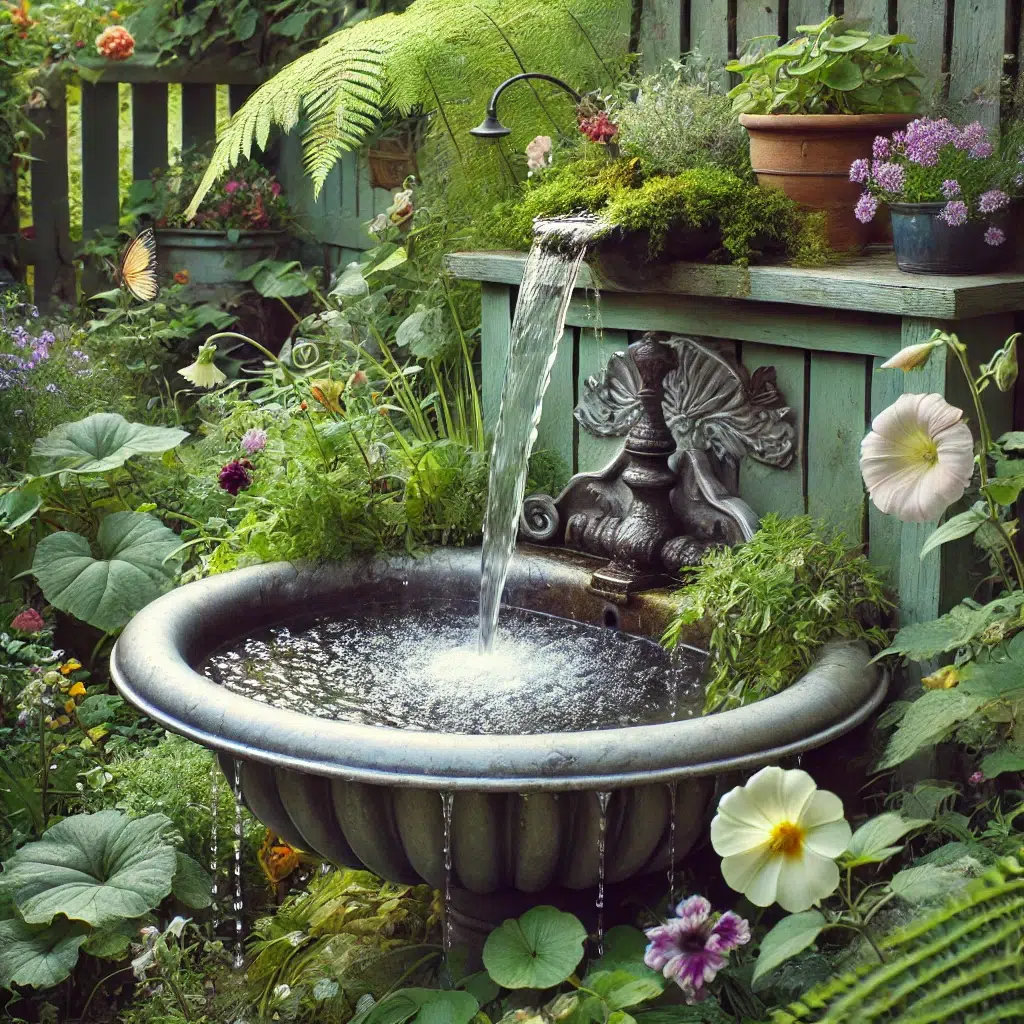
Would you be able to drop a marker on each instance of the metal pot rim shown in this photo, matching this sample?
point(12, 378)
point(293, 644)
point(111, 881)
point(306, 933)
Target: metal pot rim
point(150, 665)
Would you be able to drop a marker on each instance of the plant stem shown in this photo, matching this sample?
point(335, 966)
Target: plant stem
point(113, 974)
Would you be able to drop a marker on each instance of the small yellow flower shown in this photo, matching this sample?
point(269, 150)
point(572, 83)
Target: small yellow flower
point(78, 690)
point(944, 678)
point(203, 372)
point(73, 665)
point(69, 706)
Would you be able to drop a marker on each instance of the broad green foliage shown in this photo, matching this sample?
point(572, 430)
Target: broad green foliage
point(441, 58)
point(136, 566)
point(538, 950)
point(960, 963)
point(39, 956)
point(100, 443)
point(771, 603)
point(790, 936)
point(422, 1006)
point(828, 69)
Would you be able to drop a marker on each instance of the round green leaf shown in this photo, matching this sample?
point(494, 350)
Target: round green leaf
point(101, 442)
point(842, 76)
point(538, 950)
point(106, 592)
point(790, 936)
point(38, 957)
point(191, 884)
point(97, 868)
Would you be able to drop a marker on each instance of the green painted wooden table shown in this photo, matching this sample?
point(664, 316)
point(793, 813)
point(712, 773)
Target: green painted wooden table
point(826, 332)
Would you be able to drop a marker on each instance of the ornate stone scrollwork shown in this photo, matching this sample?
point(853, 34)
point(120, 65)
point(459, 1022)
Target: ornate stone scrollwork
point(688, 412)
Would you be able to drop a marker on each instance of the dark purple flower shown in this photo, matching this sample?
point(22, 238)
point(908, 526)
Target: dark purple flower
point(866, 208)
point(951, 188)
point(954, 213)
point(859, 171)
point(691, 947)
point(995, 236)
point(235, 476)
point(880, 148)
point(889, 177)
point(993, 200)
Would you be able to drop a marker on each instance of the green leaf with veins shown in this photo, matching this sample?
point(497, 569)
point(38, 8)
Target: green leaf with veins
point(538, 950)
point(40, 957)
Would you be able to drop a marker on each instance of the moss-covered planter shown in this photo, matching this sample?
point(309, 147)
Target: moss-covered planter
point(212, 258)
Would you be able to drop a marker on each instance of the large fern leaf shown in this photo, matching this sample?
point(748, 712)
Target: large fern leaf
point(961, 964)
point(441, 58)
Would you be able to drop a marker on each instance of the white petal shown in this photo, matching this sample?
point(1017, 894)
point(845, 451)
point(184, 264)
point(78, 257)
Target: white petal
point(729, 836)
point(803, 881)
point(780, 794)
point(937, 414)
point(822, 807)
point(829, 839)
point(754, 874)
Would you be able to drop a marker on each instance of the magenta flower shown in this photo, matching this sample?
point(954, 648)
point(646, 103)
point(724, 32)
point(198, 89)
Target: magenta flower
point(275, 188)
point(889, 177)
point(977, 779)
point(28, 621)
point(254, 440)
point(880, 148)
point(859, 171)
point(951, 188)
point(972, 135)
point(691, 947)
point(866, 208)
point(954, 213)
point(993, 200)
point(235, 476)
point(995, 236)
point(232, 187)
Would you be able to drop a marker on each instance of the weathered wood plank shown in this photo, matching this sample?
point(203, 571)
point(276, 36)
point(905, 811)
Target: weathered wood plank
point(709, 29)
point(860, 334)
point(885, 533)
point(53, 277)
point(767, 488)
point(871, 283)
point(835, 426)
point(495, 335)
point(925, 22)
point(976, 61)
point(660, 32)
point(807, 12)
point(149, 128)
point(143, 68)
point(755, 18)
point(198, 115)
point(101, 201)
point(595, 349)
point(555, 431)
point(873, 13)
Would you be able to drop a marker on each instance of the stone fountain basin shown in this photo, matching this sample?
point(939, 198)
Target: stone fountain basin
point(526, 813)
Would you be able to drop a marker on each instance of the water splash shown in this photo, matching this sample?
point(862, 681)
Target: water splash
point(447, 802)
point(672, 787)
point(602, 834)
point(238, 904)
point(214, 860)
point(548, 280)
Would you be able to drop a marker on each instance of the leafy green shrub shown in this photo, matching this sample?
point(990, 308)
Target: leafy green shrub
point(772, 602)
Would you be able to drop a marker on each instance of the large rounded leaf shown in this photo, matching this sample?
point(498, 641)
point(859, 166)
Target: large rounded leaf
point(106, 592)
point(100, 443)
point(538, 950)
point(97, 868)
point(39, 957)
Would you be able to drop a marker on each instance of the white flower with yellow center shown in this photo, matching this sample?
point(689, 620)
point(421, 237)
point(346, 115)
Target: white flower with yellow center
point(918, 458)
point(778, 837)
point(204, 373)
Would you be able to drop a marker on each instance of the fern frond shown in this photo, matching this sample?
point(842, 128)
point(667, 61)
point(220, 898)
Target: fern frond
point(960, 964)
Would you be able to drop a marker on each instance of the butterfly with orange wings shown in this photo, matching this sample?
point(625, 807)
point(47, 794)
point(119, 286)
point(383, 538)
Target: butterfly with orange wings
point(137, 270)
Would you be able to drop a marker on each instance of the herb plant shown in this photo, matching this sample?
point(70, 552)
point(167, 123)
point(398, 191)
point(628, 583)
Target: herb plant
point(828, 69)
point(772, 602)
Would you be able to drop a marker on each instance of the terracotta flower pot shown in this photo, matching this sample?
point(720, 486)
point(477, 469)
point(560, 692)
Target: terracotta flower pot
point(808, 156)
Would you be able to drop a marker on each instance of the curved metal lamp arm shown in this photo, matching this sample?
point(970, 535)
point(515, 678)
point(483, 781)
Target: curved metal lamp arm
point(491, 127)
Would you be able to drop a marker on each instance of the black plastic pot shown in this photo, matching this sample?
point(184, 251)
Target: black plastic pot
point(926, 244)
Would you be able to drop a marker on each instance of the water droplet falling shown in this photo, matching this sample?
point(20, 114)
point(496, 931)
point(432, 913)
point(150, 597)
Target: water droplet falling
point(602, 830)
point(672, 786)
point(214, 860)
point(447, 801)
point(238, 905)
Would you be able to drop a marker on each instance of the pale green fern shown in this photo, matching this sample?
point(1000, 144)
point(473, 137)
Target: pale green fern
point(960, 964)
point(441, 58)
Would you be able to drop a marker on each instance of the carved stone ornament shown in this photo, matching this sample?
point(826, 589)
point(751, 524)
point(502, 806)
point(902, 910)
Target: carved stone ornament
point(689, 414)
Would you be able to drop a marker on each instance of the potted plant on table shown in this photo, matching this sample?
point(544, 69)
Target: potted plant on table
point(813, 106)
point(950, 191)
point(241, 221)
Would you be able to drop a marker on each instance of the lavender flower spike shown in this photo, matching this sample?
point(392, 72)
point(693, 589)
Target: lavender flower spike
point(866, 208)
point(860, 171)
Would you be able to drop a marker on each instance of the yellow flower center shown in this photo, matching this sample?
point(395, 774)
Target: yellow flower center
point(921, 447)
point(787, 838)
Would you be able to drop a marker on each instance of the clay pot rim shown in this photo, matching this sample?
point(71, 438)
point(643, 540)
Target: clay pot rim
point(828, 122)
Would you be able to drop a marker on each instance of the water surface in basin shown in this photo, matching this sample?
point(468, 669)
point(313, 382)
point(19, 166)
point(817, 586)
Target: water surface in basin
point(418, 667)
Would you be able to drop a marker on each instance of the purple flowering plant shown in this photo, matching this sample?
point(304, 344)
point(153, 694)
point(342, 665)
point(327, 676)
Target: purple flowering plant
point(937, 161)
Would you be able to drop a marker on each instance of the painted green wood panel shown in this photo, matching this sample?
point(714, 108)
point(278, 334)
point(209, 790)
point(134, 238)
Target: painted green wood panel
point(755, 18)
point(101, 204)
point(709, 29)
point(836, 404)
point(149, 128)
point(925, 22)
point(198, 115)
point(595, 349)
point(660, 31)
point(766, 488)
point(807, 12)
point(555, 431)
point(884, 532)
point(238, 94)
point(495, 332)
point(873, 13)
point(976, 61)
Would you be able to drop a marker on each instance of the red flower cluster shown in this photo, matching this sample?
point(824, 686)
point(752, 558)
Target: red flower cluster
point(28, 621)
point(598, 128)
point(115, 43)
